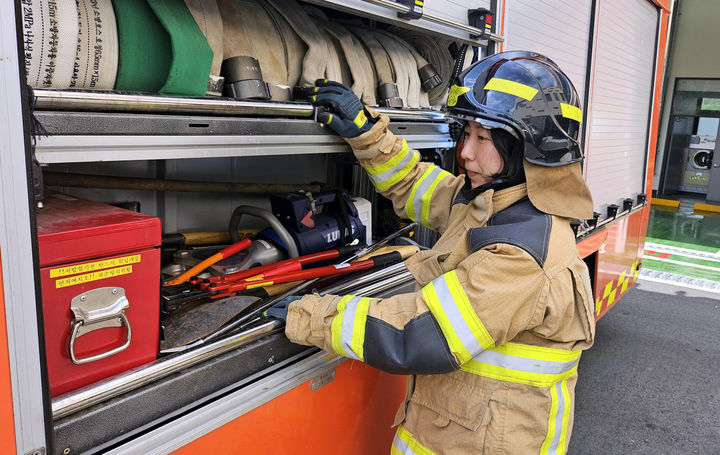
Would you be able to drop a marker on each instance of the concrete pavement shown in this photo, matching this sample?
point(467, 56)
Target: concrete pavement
point(651, 382)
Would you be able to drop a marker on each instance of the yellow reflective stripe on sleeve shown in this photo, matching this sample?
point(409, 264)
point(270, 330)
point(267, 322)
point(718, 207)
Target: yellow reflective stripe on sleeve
point(387, 174)
point(336, 326)
point(390, 164)
point(425, 217)
point(360, 119)
point(348, 327)
point(357, 336)
point(558, 420)
point(511, 87)
point(571, 112)
point(405, 443)
point(464, 332)
point(525, 364)
point(419, 201)
point(454, 92)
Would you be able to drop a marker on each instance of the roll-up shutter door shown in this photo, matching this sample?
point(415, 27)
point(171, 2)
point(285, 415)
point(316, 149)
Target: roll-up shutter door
point(621, 99)
point(559, 29)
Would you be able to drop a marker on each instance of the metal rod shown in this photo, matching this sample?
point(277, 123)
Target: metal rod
point(77, 100)
point(367, 278)
point(438, 20)
point(146, 184)
point(380, 286)
point(89, 396)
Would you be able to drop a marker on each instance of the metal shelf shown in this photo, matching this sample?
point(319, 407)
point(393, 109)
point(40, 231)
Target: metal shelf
point(151, 133)
point(386, 11)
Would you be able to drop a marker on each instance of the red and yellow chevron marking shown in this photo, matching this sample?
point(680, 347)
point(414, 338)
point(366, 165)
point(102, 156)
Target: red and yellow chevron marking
point(614, 289)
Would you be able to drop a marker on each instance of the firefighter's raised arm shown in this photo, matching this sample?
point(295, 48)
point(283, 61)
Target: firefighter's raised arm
point(420, 191)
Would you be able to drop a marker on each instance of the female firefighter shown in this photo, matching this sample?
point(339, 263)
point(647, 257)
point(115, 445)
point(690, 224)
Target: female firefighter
point(493, 337)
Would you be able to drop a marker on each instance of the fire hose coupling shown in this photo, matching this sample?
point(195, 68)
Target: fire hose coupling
point(429, 77)
point(243, 79)
point(389, 95)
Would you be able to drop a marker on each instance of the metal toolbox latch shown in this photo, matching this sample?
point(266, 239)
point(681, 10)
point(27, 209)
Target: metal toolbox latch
point(98, 309)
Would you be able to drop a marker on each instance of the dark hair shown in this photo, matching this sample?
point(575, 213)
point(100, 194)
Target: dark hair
point(512, 154)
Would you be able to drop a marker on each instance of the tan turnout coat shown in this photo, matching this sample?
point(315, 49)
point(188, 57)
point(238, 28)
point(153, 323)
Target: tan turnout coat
point(492, 338)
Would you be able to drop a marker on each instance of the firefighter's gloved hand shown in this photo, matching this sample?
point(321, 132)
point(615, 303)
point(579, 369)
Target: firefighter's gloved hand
point(280, 309)
point(340, 109)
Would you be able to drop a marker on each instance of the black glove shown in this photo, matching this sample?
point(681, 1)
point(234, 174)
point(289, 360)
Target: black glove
point(340, 109)
point(280, 309)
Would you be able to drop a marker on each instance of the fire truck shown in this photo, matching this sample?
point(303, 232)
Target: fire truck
point(79, 100)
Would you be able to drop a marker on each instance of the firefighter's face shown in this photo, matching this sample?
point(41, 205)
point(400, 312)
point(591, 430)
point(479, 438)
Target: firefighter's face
point(481, 159)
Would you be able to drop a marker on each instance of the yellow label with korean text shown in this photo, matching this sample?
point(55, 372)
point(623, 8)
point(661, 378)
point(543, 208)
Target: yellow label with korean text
point(94, 266)
point(94, 276)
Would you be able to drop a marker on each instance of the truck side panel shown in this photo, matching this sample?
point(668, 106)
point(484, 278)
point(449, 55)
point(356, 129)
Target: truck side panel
point(300, 417)
point(7, 422)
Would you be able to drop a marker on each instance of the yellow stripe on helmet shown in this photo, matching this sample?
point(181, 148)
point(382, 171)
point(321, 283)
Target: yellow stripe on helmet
point(454, 93)
point(571, 112)
point(511, 88)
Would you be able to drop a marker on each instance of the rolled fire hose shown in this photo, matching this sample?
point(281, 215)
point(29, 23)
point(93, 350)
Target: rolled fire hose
point(295, 48)
point(50, 36)
point(145, 49)
point(406, 78)
point(207, 16)
point(191, 54)
point(362, 79)
point(96, 62)
point(429, 78)
point(387, 90)
point(337, 68)
point(315, 60)
point(436, 52)
point(363, 55)
point(249, 31)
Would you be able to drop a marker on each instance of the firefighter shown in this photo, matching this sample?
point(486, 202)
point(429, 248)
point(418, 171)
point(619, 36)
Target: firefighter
point(492, 338)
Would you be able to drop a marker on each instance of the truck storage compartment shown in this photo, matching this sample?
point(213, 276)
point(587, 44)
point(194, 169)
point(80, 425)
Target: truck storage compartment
point(185, 111)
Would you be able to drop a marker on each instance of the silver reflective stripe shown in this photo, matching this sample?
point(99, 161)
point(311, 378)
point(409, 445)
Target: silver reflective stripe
point(421, 190)
point(348, 323)
point(452, 312)
point(525, 364)
point(553, 449)
point(378, 179)
point(402, 446)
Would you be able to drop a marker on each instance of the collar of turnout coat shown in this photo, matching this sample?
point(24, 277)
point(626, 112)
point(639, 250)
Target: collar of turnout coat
point(559, 190)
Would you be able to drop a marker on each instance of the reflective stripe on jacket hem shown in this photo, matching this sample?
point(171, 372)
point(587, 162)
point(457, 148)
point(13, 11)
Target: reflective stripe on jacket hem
point(465, 333)
point(348, 326)
point(387, 174)
point(525, 364)
point(405, 444)
point(417, 206)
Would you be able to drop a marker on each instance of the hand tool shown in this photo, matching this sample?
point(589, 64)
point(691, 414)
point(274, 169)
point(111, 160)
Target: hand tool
point(173, 297)
point(294, 263)
point(219, 290)
point(220, 255)
point(245, 320)
point(302, 286)
point(183, 327)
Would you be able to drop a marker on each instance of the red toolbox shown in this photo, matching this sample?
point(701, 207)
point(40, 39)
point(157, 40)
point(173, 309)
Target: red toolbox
point(100, 275)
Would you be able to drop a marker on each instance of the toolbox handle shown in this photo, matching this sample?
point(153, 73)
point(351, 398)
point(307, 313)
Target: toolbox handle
point(98, 309)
